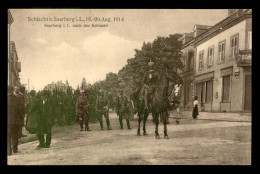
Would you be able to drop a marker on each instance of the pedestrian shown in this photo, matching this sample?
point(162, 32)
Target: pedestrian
point(21, 106)
point(195, 111)
point(82, 110)
point(122, 109)
point(103, 109)
point(13, 122)
point(45, 119)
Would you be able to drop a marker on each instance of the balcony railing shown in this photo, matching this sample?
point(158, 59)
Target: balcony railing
point(244, 58)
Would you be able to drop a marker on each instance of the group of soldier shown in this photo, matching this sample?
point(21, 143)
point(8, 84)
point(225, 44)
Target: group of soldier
point(45, 108)
point(96, 103)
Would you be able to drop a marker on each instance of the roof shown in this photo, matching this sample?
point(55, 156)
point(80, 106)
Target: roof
point(226, 23)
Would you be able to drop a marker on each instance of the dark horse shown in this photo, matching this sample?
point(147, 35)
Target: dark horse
point(159, 105)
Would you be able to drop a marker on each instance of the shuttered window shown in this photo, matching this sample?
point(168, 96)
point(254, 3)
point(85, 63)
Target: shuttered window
point(221, 51)
point(226, 88)
point(234, 45)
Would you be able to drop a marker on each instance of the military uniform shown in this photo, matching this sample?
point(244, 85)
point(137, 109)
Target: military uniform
point(45, 120)
point(21, 113)
point(82, 111)
point(150, 81)
point(122, 109)
point(102, 109)
point(13, 122)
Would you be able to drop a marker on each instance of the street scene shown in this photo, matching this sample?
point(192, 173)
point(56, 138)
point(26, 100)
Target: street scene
point(112, 87)
point(206, 141)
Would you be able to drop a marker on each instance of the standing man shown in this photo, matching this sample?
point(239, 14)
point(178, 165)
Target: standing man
point(102, 109)
point(82, 110)
point(21, 106)
point(12, 137)
point(150, 81)
point(45, 119)
point(122, 109)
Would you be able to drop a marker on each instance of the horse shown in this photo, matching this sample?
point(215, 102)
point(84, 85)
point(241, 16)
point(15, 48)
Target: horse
point(159, 105)
point(139, 106)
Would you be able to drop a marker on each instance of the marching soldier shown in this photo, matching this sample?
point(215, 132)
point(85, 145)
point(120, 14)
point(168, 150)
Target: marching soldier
point(150, 81)
point(12, 137)
point(122, 109)
point(102, 109)
point(82, 110)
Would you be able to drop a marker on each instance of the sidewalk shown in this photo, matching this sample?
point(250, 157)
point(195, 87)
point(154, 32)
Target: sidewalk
point(232, 117)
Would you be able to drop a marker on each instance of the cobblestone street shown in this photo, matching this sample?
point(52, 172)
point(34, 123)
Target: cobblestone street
point(204, 142)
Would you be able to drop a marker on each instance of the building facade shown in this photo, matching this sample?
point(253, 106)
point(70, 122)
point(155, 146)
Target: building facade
point(222, 77)
point(187, 74)
point(14, 66)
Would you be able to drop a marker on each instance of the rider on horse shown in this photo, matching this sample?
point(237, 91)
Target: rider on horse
point(150, 80)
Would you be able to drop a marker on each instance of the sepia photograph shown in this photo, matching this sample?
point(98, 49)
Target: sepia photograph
point(129, 87)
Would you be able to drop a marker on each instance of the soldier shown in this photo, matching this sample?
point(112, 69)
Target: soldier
point(82, 110)
point(122, 109)
point(13, 128)
point(150, 81)
point(32, 112)
point(21, 106)
point(102, 109)
point(45, 119)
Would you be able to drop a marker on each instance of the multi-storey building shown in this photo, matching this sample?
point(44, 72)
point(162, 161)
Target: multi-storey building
point(187, 75)
point(223, 64)
point(14, 66)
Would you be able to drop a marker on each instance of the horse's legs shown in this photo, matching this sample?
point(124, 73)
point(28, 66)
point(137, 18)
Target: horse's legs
point(144, 122)
point(139, 122)
point(156, 125)
point(165, 124)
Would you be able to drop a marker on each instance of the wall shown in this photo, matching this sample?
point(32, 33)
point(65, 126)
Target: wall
point(236, 84)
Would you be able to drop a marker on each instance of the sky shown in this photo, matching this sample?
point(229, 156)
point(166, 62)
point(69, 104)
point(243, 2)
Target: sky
point(50, 54)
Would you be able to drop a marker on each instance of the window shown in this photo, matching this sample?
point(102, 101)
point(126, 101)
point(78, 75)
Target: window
point(233, 45)
point(221, 51)
point(190, 61)
point(226, 88)
point(250, 40)
point(209, 91)
point(210, 56)
point(201, 57)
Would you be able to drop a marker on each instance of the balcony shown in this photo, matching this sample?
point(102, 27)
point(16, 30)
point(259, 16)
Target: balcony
point(244, 58)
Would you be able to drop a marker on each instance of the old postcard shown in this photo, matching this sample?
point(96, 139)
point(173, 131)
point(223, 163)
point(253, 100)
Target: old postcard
point(129, 86)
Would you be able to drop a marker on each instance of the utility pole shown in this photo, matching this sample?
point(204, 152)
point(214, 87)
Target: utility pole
point(28, 86)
